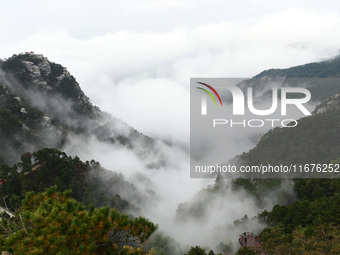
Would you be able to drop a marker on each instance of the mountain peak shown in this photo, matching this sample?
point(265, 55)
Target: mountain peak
point(36, 72)
point(42, 105)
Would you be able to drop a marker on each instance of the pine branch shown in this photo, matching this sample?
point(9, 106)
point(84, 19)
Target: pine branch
point(23, 224)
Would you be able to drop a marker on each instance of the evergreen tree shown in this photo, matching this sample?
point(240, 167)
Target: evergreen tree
point(54, 223)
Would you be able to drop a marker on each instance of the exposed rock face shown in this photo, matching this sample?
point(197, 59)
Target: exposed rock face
point(39, 68)
point(332, 103)
point(36, 72)
point(42, 105)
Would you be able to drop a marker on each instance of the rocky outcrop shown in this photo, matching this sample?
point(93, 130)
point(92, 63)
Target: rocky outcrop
point(42, 105)
point(37, 73)
point(332, 103)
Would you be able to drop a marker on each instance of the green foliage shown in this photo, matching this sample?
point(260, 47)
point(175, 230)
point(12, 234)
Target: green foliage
point(246, 251)
point(308, 226)
point(54, 223)
point(52, 219)
point(197, 250)
point(67, 88)
point(313, 140)
point(318, 204)
point(14, 65)
point(47, 167)
point(258, 188)
point(313, 240)
point(56, 70)
point(312, 189)
point(306, 213)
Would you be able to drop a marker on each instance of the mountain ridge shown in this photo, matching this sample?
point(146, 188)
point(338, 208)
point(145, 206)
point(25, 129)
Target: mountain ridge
point(62, 110)
point(36, 105)
point(322, 79)
point(329, 68)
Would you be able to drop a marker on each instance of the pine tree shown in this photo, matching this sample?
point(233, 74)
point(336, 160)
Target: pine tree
point(54, 223)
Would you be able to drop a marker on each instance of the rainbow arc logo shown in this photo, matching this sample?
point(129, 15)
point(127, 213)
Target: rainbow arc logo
point(204, 100)
point(209, 93)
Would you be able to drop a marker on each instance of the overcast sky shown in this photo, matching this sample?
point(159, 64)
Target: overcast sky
point(134, 58)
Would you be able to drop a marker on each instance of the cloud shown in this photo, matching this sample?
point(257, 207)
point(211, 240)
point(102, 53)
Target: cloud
point(136, 62)
point(143, 77)
point(156, 5)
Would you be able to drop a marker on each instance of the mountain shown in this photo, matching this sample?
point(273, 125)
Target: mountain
point(36, 73)
point(42, 105)
point(43, 111)
point(313, 140)
point(307, 207)
point(322, 79)
point(325, 69)
point(331, 103)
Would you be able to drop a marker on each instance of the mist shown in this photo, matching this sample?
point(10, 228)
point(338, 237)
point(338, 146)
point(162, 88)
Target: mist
point(135, 61)
point(142, 76)
point(181, 206)
point(158, 168)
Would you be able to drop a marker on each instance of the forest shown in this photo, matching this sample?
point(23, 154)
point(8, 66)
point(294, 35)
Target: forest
point(57, 199)
point(54, 203)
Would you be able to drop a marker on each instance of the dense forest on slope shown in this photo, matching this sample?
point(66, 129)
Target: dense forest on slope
point(42, 105)
point(322, 79)
point(307, 224)
point(314, 140)
point(323, 69)
point(89, 182)
point(310, 225)
point(84, 188)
